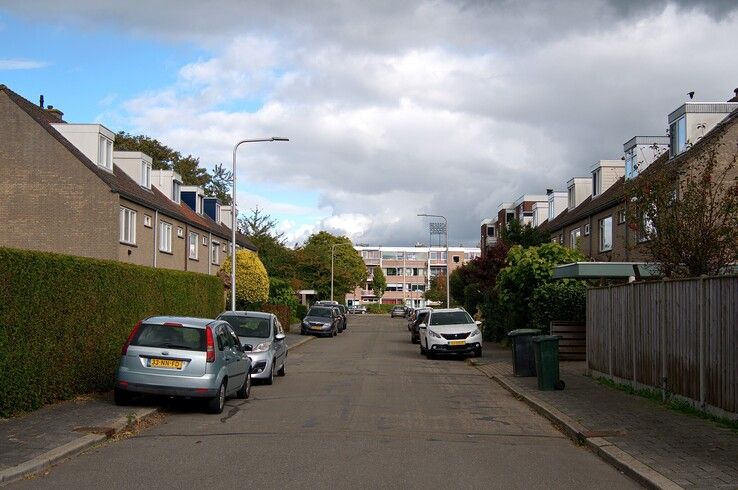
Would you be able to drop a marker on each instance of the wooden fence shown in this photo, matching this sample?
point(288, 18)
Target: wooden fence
point(680, 336)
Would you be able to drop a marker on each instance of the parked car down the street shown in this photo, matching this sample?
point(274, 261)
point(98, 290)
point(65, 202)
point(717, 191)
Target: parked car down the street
point(263, 340)
point(321, 320)
point(183, 357)
point(450, 331)
point(357, 309)
point(343, 312)
point(398, 310)
point(419, 316)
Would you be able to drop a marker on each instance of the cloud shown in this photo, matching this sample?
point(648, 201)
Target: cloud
point(397, 108)
point(22, 64)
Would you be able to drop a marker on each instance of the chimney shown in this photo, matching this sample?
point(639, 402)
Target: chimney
point(55, 112)
point(549, 192)
point(41, 101)
point(735, 98)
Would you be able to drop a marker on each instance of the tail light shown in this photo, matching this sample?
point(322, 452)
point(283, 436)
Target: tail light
point(210, 345)
point(130, 337)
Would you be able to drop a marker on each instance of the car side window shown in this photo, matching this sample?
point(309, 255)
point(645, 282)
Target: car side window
point(234, 337)
point(224, 339)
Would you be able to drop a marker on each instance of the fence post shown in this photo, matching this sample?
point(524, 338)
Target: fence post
point(632, 321)
point(662, 335)
point(702, 330)
point(609, 331)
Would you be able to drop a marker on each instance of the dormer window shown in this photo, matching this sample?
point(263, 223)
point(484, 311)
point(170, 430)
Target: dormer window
point(145, 174)
point(631, 166)
point(217, 213)
point(176, 189)
point(105, 153)
point(572, 200)
point(678, 136)
point(200, 203)
point(595, 182)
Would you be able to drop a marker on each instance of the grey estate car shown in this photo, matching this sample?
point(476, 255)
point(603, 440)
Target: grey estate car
point(263, 340)
point(183, 357)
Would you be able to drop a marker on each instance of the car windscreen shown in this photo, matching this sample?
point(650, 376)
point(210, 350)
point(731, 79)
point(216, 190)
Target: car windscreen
point(451, 318)
point(249, 326)
point(171, 337)
point(321, 312)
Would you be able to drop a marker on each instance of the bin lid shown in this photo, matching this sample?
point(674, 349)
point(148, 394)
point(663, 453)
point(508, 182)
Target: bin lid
point(546, 338)
point(524, 331)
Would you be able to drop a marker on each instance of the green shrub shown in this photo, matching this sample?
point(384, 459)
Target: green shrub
point(301, 312)
point(564, 300)
point(376, 308)
point(281, 293)
point(63, 320)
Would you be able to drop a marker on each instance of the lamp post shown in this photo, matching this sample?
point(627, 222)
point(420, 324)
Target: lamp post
point(233, 214)
point(448, 293)
point(333, 250)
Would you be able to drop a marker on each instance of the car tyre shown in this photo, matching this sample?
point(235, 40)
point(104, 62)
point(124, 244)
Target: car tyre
point(245, 391)
point(283, 370)
point(121, 397)
point(216, 404)
point(270, 379)
point(422, 349)
point(478, 352)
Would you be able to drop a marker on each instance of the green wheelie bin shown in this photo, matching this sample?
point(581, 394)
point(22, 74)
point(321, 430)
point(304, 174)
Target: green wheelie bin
point(546, 349)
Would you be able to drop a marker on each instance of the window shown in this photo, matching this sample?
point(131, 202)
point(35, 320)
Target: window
point(490, 231)
point(147, 221)
point(200, 202)
point(586, 229)
point(215, 253)
point(571, 198)
point(146, 175)
point(678, 136)
point(595, 182)
point(510, 216)
point(217, 212)
point(621, 216)
point(165, 237)
point(180, 232)
point(574, 238)
point(105, 153)
point(456, 259)
point(648, 230)
point(205, 241)
point(606, 234)
point(193, 245)
point(176, 188)
point(127, 225)
point(631, 166)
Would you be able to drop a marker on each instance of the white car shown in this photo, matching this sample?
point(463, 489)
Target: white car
point(450, 331)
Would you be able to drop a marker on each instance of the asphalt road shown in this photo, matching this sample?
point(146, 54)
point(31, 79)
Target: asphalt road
point(363, 410)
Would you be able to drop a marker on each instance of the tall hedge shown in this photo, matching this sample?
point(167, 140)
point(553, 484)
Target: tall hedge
point(63, 320)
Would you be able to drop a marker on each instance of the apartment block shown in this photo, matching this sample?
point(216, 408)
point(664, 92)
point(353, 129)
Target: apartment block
point(408, 271)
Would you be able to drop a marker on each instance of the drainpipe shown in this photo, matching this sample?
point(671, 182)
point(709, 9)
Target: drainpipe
point(210, 250)
point(187, 245)
point(156, 235)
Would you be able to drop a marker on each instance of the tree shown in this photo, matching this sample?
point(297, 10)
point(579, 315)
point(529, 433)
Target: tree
point(562, 300)
point(192, 174)
point(685, 213)
point(314, 265)
point(220, 184)
point(437, 290)
point(252, 281)
point(379, 283)
point(526, 236)
point(527, 269)
point(258, 224)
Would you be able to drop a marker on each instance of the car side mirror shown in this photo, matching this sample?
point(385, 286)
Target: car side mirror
point(422, 325)
point(478, 323)
point(279, 337)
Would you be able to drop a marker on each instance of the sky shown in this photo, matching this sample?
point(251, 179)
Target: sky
point(392, 108)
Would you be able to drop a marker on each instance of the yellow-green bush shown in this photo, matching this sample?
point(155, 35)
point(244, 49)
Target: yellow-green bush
point(63, 320)
point(252, 281)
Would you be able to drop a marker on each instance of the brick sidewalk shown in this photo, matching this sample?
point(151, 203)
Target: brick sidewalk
point(689, 451)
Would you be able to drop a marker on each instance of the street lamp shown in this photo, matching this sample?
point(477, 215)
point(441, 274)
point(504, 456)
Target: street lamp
point(233, 214)
point(448, 293)
point(333, 250)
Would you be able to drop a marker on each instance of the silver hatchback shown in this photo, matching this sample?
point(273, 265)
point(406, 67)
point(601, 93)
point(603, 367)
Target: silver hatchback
point(263, 340)
point(183, 357)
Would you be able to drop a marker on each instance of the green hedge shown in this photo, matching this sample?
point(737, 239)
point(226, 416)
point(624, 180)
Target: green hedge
point(63, 320)
point(377, 308)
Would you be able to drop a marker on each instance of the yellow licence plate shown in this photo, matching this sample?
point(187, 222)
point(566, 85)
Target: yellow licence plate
point(456, 342)
point(166, 363)
point(314, 327)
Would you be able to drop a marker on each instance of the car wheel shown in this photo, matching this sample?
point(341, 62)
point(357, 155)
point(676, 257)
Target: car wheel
point(121, 397)
point(270, 379)
point(245, 390)
point(216, 404)
point(478, 352)
point(302, 332)
point(422, 349)
point(283, 370)
point(335, 332)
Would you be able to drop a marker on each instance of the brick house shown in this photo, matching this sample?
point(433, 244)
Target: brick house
point(64, 189)
point(596, 226)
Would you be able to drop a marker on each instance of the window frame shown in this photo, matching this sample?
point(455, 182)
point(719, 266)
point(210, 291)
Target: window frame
point(215, 253)
point(574, 236)
point(193, 246)
point(604, 247)
point(146, 175)
point(165, 237)
point(127, 214)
